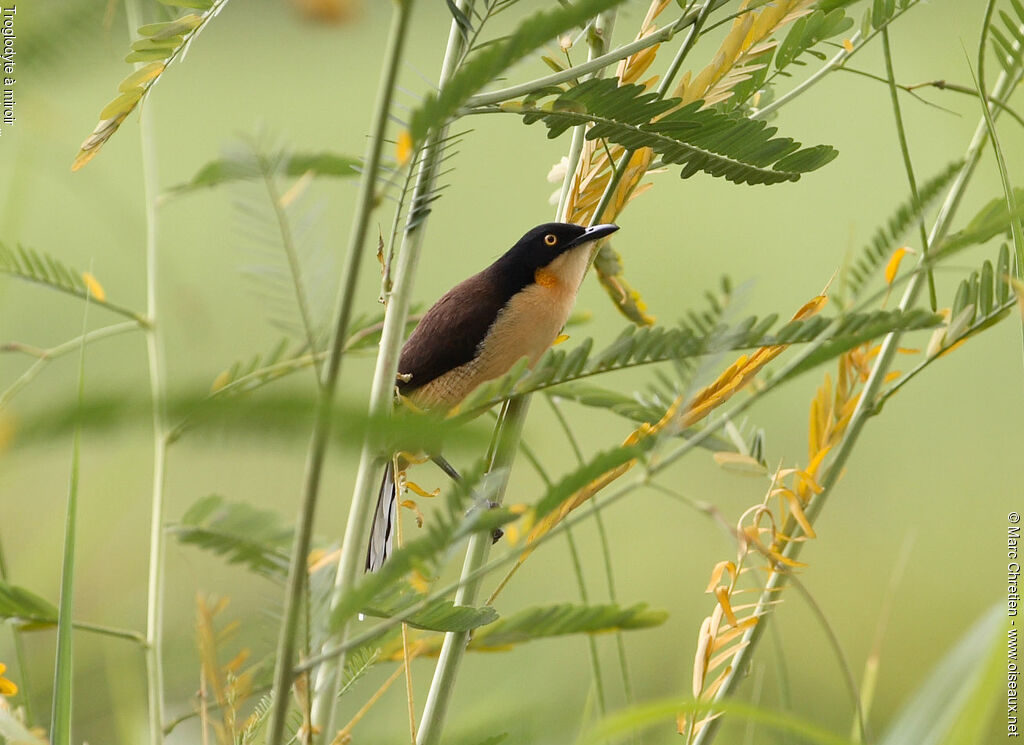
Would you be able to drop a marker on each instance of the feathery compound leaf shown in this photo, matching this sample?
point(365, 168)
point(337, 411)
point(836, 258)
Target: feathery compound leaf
point(727, 145)
point(562, 619)
point(885, 239)
point(648, 345)
point(224, 170)
point(24, 609)
point(258, 539)
point(438, 108)
point(859, 328)
point(33, 266)
point(440, 615)
point(163, 42)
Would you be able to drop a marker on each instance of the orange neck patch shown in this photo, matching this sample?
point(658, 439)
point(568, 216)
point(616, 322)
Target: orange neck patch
point(545, 278)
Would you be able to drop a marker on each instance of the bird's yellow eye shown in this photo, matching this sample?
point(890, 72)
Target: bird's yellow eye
point(550, 239)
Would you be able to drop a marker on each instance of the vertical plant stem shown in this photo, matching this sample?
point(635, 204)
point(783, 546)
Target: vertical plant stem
point(577, 564)
point(865, 406)
point(297, 571)
point(907, 162)
point(60, 721)
point(382, 387)
point(158, 395)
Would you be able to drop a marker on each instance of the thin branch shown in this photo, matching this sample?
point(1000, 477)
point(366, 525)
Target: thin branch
point(44, 356)
point(908, 165)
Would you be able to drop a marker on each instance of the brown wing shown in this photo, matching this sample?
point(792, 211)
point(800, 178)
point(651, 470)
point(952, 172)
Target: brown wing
point(451, 331)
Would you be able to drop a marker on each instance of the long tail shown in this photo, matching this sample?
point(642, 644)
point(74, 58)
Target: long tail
point(382, 532)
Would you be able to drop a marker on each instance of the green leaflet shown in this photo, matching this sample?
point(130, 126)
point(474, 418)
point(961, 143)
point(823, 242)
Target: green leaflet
point(991, 220)
point(24, 609)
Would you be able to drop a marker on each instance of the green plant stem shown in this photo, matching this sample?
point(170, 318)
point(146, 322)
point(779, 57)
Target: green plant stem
point(364, 493)
point(297, 571)
point(454, 646)
point(661, 35)
point(908, 164)
point(866, 406)
point(43, 356)
point(127, 634)
point(1016, 229)
point(60, 720)
point(577, 564)
point(158, 394)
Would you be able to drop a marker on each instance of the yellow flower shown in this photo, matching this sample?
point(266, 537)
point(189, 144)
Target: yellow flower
point(7, 688)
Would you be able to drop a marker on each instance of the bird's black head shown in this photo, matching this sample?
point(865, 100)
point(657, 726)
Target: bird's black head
point(545, 243)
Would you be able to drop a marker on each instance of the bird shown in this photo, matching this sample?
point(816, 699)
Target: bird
point(478, 330)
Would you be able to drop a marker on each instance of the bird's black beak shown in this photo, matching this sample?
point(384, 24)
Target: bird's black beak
point(594, 233)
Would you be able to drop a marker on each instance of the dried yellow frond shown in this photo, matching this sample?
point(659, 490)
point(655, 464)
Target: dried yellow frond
point(716, 574)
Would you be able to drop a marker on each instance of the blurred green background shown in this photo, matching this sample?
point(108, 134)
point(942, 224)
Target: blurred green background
point(938, 471)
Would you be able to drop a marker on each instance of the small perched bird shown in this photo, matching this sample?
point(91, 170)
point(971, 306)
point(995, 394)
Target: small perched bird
point(480, 328)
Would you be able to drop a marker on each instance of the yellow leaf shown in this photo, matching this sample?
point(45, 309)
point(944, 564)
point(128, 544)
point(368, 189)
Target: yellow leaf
point(93, 286)
point(722, 594)
point(403, 148)
point(559, 339)
point(893, 266)
point(716, 574)
point(419, 490)
point(141, 76)
point(123, 104)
